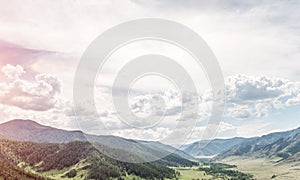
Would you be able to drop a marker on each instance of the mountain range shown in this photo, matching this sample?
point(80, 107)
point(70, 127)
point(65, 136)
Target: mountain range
point(28, 130)
point(40, 149)
point(74, 159)
point(239, 146)
point(25, 144)
point(211, 148)
point(285, 145)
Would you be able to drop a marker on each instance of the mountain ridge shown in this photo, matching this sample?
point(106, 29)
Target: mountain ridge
point(29, 130)
point(272, 145)
point(216, 147)
point(31, 160)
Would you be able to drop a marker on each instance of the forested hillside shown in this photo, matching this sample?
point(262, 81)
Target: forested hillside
point(12, 172)
point(28, 130)
point(76, 159)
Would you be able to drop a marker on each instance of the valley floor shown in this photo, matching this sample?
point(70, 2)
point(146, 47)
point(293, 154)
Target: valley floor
point(264, 169)
point(192, 173)
point(212, 171)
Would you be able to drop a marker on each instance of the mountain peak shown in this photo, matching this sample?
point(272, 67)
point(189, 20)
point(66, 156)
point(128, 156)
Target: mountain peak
point(29, 130)
point(22, 121)
point(22, 124)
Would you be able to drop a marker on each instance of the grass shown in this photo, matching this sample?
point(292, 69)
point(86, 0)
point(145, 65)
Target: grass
point(57, 174)
point(263, 168)
point(131, 177)
point(192, 173)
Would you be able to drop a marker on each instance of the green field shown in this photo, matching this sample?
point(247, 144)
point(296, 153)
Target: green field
point(192, 173)
point(212, 171)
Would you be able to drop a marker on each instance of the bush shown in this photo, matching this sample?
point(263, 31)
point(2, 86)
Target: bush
point(71, 173)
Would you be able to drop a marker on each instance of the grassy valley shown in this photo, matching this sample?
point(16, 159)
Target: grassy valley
point(265, 168)
point(273, 156)
point(213, 171)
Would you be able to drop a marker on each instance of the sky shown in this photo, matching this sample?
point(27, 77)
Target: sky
point(257, 44)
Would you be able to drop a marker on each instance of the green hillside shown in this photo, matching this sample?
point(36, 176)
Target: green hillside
point(76, 159)
point(12, 172)
point(28, 130)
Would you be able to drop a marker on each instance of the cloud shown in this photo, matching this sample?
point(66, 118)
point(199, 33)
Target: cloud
point(255, 96)
point(240, 112)
point(256, 38)
point(15, 54)
point(231, 5)
point(248, 88)
point(53, 81)
point(155, 134)
point(140, 105)
point(259, 35)
point(12, 72)
point(293, 101)
point(246, 97)
point(40, 94)
point(262, 109)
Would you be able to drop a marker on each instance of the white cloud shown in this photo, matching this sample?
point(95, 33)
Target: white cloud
point(239, 112)
point(250, 96)
point(197, 133)
point(144, 134)
point(39, 94)
point(262, 109)
point(141, 106)
point(248, 88)
point(293, 101)
point(12, 72)
point(246, 97)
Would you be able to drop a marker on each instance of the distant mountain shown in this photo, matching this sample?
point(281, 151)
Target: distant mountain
point(78, 159)
point(233, 146)
point(287, 148)
point(280, 144)
point(214, 147)
point(28, 130)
